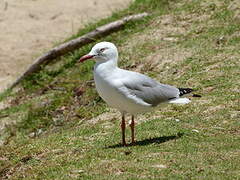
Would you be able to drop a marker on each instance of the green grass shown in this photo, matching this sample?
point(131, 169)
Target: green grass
point(63, 130)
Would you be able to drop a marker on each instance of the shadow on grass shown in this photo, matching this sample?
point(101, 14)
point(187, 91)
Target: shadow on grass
point(145, 142)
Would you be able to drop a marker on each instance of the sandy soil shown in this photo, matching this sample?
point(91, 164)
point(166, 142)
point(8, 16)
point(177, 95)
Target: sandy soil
point(28, 27)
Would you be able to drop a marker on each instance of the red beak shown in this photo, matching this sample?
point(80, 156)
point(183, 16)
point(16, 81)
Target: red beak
point(85, 57)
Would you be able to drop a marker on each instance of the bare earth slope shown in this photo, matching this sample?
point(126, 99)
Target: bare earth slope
point(29, 27)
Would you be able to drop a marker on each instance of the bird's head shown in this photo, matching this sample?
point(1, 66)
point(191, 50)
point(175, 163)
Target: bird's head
point(103, 51)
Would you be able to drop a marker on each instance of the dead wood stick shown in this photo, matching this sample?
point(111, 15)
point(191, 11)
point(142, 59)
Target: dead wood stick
point(77, 43)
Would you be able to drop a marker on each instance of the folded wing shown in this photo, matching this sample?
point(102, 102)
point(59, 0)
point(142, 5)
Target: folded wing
point(143, 88)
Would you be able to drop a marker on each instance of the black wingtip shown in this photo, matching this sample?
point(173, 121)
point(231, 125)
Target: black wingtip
point(184, 91)
point(196, 95)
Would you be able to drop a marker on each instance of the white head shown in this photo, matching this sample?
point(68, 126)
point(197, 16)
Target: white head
point(103, 51)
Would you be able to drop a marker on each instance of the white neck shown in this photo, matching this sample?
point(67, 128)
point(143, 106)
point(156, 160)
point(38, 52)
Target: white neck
point(105, 67)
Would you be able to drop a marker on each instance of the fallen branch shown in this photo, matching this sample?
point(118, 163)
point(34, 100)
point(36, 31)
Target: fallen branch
point(77, 43)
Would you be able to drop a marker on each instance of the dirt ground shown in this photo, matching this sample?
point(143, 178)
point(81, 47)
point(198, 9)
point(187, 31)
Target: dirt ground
point(28, 27)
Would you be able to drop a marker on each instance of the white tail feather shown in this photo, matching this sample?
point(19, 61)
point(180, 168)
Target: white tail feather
point(180, 101)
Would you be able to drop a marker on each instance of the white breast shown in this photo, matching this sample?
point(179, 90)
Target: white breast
point(107, 87)
point(106, 91)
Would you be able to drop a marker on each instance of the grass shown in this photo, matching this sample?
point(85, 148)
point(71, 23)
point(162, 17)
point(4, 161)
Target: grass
point(61, 129)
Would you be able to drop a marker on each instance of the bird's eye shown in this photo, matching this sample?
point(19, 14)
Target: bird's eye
point(102, 49)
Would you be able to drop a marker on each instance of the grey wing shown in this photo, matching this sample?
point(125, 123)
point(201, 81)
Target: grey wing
point(149, 90)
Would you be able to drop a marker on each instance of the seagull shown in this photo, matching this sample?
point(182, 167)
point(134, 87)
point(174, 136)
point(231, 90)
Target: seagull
point(127, 91)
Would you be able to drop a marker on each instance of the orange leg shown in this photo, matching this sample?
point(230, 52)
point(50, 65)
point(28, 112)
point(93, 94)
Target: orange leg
point(132, 129)
point(123, 126)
